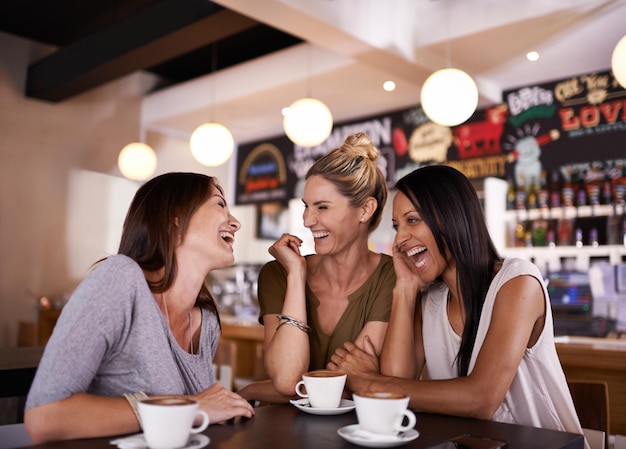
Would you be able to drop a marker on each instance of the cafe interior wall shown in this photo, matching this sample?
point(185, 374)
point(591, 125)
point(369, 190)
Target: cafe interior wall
point(62, 198)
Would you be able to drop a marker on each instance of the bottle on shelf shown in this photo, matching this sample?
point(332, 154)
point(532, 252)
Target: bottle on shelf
point(543, 195)
point(618, 185)
point(510, 194)
point(555, 190)
point(520, 234)
point(567, 192)
point(520, 195)
point(614, 227)
point(550, 234)
point(593, 237)
point(581, 192)
point(606, 197)
point(565, 232)
point(578, 237)
point(540, 230)
point(531, 195)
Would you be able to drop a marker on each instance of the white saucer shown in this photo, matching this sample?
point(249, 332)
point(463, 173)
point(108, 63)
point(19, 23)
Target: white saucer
point(344, 407)
point(196, 441)
point(362, 438)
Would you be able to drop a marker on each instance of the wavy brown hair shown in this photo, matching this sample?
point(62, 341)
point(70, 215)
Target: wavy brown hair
point(150, 234)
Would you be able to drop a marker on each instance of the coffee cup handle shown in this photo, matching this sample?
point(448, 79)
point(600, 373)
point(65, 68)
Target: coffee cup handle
point(300, 393)
point(411, 417)
point(203, 425)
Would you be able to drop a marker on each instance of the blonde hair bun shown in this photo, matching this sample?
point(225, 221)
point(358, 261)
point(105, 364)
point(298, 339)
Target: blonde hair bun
point(360, 145)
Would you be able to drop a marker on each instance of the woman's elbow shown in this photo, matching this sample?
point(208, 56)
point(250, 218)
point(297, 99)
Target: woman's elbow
point(485, 406)
point(285, 386)
point(40, 429)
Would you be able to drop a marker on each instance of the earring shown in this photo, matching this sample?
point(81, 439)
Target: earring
point(362, 220)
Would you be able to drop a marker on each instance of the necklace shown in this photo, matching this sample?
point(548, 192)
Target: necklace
point(167, 318)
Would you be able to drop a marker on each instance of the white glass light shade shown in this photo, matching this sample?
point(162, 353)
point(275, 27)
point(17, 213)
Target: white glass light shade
point(618, 62)
point(137, 161)
point(308, 122)
point(449, 97)
point(212, 144)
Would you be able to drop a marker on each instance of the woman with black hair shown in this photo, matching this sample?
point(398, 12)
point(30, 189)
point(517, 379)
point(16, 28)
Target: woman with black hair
point(470, 333)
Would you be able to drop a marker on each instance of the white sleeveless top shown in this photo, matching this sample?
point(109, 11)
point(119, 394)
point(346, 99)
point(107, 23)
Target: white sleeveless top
point(539, 395)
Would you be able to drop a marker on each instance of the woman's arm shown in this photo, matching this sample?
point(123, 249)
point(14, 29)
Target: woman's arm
point(287, 350)
point(403, 351)
point(87, 416)
point(402, 355)
point(222, 404)
point(516, 322)
point(80, 416)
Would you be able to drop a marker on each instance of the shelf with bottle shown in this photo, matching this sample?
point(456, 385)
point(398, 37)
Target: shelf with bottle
point(584, 207)
point(562, 227)
point(559, 233)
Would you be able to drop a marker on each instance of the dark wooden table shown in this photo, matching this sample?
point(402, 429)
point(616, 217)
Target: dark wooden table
point(284, 426)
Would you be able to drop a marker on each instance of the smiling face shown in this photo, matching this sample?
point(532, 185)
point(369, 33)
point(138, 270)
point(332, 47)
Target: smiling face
point(416, 240)
point(211, 233)
point(329, 216)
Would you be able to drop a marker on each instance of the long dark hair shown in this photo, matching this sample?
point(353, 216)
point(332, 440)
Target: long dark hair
point(150, 234)
point(447, 202)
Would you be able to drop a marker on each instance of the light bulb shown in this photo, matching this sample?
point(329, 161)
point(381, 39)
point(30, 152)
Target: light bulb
point(137, 161)
point(211, 144)
point(618, 62)
point(449, 97)
point(307, 122)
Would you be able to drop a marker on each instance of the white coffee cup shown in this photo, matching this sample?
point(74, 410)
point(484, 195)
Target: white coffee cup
point(324, 388)
point(383, 413)
point(167, 422)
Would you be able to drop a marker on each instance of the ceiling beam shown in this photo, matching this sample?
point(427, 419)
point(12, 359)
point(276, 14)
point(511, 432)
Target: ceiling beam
point(157, 34)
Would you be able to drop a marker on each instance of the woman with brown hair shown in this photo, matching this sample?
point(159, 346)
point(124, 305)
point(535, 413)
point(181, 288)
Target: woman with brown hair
point(143, 322)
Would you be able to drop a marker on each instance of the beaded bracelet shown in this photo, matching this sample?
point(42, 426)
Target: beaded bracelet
point(288, 320)
point(133, 399)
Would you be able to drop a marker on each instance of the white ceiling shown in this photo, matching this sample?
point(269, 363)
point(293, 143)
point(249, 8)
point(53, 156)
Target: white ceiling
point(353, 46)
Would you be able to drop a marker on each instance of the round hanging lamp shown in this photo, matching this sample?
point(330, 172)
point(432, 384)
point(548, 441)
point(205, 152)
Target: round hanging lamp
point(449, 97)
point(137, 161)
point(212, 144)
point(618, 62)
point(307, 122)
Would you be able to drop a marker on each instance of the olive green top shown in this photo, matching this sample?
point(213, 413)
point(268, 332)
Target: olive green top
point(370, 302)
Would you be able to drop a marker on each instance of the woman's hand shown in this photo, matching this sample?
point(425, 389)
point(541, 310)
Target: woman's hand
point(286, 250)
point(357, 363)
point(404, 267)
point(222, 404)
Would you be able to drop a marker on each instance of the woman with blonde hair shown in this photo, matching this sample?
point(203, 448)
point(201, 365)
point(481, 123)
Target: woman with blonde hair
point(311, 305)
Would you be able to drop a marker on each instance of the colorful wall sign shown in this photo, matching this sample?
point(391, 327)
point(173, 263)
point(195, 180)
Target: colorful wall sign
point(566, 125)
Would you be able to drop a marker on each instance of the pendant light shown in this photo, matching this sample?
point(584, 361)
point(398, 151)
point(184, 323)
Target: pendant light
point(212, 144)
point(618, 62)
point(307, 122)
point(137, 161)
point(449, 96)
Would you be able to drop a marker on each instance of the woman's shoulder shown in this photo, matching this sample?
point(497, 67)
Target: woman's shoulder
point(118, 266)
point(512, 267)
point(272, 267)
point(385, 265)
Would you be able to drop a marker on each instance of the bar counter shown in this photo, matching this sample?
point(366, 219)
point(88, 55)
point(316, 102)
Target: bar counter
point(602, 359)
point(286, 427)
